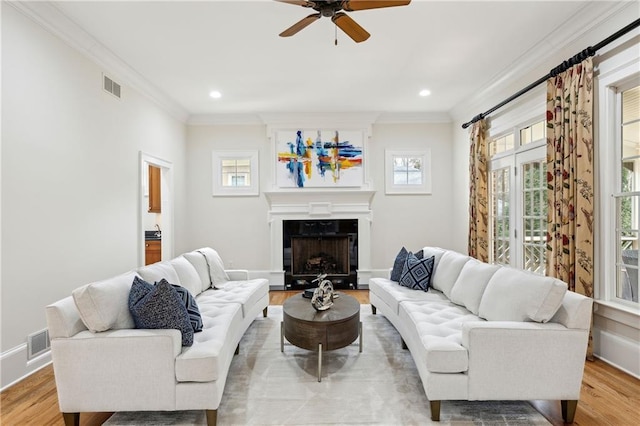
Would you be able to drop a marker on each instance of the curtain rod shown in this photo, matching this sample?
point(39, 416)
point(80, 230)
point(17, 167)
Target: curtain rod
point(576, 59)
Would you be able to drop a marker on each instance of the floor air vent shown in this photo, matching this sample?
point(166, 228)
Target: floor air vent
point(111, 86)
point(38, 343)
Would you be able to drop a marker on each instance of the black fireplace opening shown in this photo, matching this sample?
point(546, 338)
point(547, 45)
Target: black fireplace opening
point(314, 247)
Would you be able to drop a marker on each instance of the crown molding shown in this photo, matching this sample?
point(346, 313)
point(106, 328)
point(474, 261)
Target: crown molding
point(49, 17)
point(541, 58)
point(413, 117)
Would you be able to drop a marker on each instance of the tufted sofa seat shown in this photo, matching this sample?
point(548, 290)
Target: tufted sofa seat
point(102, 363)
point(487, 332)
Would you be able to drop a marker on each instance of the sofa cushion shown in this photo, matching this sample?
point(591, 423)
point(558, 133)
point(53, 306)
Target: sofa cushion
point(215, 265)
point(398, 264)
point(187, 275)
point(416, 273)
point(438, 326)
point(471, 283)
point(103, 305)
point(392, 294)
point(247, 293)
point(436, 252)
point(157, 271)
point(199, 262)
point(160, 308)
point(447, 271)
point(212, 348)
point(515, 295)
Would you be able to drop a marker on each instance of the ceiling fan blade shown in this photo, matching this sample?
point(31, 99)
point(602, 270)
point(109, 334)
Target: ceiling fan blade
point(350, 27)
point(351, 5)
point(303, 3)
point(301, 24)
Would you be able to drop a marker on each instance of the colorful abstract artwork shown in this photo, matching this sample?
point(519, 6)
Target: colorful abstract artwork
point(319, 158)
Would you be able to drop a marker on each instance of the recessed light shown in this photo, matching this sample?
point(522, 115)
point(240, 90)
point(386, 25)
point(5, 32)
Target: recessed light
point(215, 94)
point(425, 92)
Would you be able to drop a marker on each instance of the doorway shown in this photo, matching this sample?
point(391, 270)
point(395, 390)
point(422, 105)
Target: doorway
point(155, 221)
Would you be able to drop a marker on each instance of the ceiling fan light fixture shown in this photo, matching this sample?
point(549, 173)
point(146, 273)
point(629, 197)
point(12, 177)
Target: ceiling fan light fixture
point(215, 94)
point(424, 92)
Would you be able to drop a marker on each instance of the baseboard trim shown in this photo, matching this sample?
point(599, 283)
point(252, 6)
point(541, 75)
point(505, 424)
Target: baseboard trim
point(15, 366)
point(616, 351)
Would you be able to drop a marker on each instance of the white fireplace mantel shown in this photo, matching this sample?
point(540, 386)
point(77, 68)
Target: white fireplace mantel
point(309, 204)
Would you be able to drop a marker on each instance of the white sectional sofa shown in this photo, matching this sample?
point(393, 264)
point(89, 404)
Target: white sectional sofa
point(485, 332)
point(102, 363)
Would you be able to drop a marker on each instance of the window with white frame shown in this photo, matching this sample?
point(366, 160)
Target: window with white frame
point(518, 198)
point(235, 173)
point(408, 172)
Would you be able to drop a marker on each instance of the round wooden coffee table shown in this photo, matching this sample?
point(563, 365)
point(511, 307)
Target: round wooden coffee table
point(335, 328)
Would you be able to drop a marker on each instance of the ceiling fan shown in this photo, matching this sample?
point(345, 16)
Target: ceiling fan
point(334, 9)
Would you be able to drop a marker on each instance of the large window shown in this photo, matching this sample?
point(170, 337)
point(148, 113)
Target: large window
point(518, 194)
point(627, 195)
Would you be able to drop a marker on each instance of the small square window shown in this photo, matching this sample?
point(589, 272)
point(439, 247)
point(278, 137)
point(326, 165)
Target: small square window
point(235, 173)
point(408, 172)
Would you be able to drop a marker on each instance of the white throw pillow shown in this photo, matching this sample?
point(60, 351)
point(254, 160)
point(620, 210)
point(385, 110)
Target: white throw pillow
point(199, 262)
point(447, 271)
point(216, 266)
point(515, 295)
point(471, 283)
point(156, 271)
point(104, 305)
point(187, 274)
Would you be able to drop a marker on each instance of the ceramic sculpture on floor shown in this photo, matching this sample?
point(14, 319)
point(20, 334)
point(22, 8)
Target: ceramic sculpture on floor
point(323, 296)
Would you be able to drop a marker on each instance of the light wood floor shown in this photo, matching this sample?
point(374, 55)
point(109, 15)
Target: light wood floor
point(608, 397)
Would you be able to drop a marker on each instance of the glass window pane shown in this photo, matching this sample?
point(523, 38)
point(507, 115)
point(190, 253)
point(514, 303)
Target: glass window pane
point(525, 135)
point(509, 141)
point(631, 104)
point(631, 140)
point(538, 131)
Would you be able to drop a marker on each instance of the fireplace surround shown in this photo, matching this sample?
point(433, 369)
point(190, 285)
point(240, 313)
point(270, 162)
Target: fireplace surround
point(321, 205)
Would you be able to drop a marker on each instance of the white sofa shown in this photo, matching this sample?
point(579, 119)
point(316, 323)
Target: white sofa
point(485, 332)
point(102, 363)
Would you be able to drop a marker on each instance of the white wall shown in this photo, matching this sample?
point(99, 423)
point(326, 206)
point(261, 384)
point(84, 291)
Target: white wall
point(70, 173)
point(237, 226)
point(414, 221)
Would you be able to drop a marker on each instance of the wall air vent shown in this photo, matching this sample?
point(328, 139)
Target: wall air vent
point(38, 343)
point(111, 86)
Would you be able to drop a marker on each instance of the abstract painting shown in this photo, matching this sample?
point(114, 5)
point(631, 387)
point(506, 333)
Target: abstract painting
point(319, 158)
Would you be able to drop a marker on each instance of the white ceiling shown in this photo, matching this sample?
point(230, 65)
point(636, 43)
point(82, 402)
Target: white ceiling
point(188, 48)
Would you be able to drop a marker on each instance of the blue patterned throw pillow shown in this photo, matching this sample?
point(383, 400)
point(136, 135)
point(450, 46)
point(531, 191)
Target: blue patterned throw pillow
point(398, 265)
point(192, 307)
point(416, 273)
point(160, 308)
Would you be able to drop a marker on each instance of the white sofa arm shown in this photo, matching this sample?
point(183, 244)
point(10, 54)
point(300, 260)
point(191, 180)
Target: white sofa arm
point(237, 274)
point(116, 370)
point(524, 360)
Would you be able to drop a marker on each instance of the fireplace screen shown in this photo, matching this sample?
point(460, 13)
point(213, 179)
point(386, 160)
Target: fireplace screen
point(320, 255)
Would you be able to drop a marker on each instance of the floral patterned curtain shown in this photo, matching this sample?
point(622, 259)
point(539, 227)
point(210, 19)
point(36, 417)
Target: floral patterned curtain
point(478, 193)
point(570, 178)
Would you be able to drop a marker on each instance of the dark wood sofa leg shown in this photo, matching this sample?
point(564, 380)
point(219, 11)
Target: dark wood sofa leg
point(435, 410)
point(373, 309)
point(568, 410)
point(264, 312)
point(71, 419)
point(212, 417)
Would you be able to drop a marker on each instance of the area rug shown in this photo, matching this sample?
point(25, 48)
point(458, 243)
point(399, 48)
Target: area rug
point(379, 386)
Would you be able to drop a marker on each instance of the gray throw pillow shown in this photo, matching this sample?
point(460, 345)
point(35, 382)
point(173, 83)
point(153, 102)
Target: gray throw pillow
point(192, 307)
point(416, 273)
point(159, 308)
point(398, 264)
